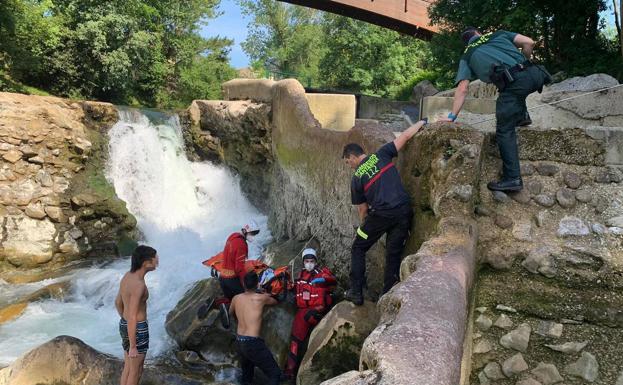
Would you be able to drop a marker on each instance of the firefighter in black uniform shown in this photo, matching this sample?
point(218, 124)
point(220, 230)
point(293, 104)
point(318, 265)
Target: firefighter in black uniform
point(384, 208)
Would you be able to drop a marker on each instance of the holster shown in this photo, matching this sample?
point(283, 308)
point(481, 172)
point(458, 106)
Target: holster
point(500, 76)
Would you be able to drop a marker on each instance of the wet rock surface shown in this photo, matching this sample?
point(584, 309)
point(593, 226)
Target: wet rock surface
point(64, 359)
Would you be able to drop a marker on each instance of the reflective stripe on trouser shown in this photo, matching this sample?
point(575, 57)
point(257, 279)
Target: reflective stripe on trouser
point(396, 224)
point(361, 233)
point(509, 112)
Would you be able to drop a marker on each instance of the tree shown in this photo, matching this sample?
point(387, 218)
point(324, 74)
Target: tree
point(617, 21)
point(123, 51)
point(284, 38)
point(364, 58)
point(567, 31)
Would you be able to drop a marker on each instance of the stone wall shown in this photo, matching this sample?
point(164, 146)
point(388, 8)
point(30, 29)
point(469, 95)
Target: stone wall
point(548, 298)
point(55, 203)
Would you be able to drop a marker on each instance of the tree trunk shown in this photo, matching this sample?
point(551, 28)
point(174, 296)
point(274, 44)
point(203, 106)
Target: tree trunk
point(620, 17)
point(617, 24)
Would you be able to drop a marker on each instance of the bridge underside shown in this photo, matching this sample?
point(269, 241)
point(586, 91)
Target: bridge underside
point(405, 16)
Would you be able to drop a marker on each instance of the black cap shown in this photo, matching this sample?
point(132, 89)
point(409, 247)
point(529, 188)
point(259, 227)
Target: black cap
point(468, 33)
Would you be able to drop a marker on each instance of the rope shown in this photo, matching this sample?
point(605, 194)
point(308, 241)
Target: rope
point(556, 102)
point(339, 203)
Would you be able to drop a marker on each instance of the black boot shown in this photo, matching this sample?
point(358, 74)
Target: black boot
point(224, 313)
point(526, 121)
point(355, 296)
point(509, 185)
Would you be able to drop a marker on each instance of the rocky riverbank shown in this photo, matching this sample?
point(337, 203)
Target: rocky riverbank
point(55, 203)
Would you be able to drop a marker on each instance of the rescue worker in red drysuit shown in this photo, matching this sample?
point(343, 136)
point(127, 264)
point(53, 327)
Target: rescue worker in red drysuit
point(232, 272)
point(313, 299)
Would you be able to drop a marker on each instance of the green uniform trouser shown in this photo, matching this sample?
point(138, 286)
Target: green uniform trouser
point(510, 110)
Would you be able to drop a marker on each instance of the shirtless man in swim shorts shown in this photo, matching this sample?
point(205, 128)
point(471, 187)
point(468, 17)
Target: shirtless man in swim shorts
point(248, 308)
point(131, 305)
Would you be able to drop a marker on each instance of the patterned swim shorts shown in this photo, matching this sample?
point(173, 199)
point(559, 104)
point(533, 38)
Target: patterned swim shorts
point(142, 336)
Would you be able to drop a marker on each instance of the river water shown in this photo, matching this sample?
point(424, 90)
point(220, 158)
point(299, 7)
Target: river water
point(184, 209)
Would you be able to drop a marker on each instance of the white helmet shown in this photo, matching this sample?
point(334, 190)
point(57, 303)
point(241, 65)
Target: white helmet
point(251, 227)
point(309, 253)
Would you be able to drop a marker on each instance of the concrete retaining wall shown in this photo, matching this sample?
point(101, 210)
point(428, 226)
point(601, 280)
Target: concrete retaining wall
point(333, 112)
point(259, 90)
point(371, 107)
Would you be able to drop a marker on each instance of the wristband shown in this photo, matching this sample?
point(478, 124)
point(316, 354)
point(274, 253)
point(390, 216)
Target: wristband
point(452, 117)
point(425, 120)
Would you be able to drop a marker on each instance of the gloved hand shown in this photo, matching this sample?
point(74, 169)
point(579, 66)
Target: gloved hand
point(317, 280)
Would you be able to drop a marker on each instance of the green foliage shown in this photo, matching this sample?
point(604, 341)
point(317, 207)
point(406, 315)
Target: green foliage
point(284, 38)
point(201, 80)
point(567, 32)
point(434, 77)
point(331, 51)
point(365, 58)
point(144, 52)
point(7, 84)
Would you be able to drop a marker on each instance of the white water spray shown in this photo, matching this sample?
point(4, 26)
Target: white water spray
point(185, 210)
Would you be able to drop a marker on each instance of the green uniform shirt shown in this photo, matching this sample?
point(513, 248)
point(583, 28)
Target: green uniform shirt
point(498, 49)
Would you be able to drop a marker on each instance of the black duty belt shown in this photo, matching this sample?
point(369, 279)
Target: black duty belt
point(520, 67)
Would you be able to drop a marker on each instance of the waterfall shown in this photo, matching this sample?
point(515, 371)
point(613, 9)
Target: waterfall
point(184, 209)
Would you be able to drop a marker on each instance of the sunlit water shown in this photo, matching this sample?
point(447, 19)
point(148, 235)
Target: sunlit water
point(184, 209)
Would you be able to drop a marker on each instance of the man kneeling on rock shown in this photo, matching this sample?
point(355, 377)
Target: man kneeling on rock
point(313, 299)
point(248, 308)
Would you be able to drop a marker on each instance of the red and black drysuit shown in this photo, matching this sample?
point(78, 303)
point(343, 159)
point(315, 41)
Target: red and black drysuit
point(313, 302)
point(232, 271)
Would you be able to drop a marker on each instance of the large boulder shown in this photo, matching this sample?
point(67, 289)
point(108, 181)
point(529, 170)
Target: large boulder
point(67, 360)
point(183, 324)
point(335, 344)
point(208, 337)
point(63, 360)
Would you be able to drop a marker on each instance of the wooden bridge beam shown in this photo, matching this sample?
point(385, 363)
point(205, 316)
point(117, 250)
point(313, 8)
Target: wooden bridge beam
point(405, 16)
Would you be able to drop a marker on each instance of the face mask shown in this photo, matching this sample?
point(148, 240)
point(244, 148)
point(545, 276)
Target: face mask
point(309, 266)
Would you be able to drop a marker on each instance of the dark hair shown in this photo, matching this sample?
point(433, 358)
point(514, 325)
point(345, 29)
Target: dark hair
point(468, 33)
point(250, 280)
point(352, 149)
point(141, 254)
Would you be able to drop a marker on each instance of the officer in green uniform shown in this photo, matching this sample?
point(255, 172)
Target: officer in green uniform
point(497, 58)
